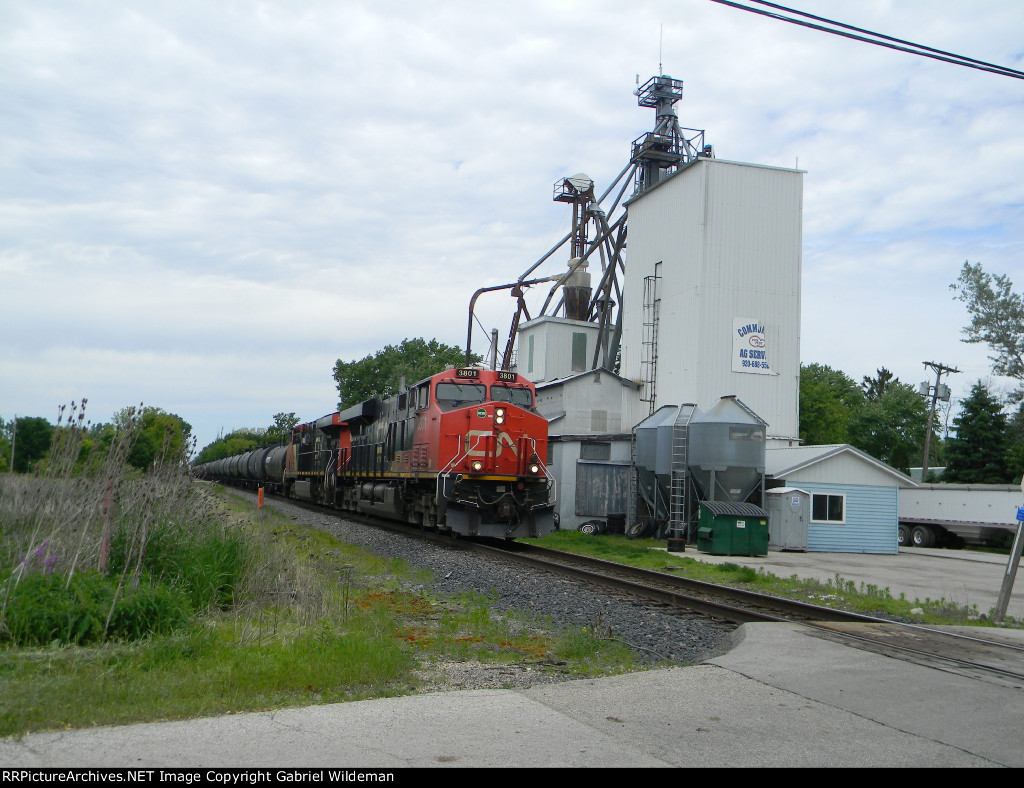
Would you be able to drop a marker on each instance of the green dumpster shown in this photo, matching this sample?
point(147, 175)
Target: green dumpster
point(730, 528)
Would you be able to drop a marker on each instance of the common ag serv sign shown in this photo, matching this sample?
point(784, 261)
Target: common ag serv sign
point(749, 347)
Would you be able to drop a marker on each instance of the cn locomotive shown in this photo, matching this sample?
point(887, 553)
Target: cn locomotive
point(462, 451)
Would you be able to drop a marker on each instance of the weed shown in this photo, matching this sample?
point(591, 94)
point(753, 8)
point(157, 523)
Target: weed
point(834, 592)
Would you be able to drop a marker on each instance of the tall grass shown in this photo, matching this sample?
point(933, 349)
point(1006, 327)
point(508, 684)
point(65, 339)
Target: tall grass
point(128, 596)
point(91, 548)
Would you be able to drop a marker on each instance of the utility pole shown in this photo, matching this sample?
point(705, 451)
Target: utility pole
point(938, 392)
point(14, 437)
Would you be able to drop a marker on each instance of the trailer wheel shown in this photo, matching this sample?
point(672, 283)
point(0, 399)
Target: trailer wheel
point(922, 536)
point(640, 529)
point(903, 535)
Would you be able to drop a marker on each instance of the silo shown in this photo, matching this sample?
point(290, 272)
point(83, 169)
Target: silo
point(726, 448)
point(683, 455)
point(660, 470)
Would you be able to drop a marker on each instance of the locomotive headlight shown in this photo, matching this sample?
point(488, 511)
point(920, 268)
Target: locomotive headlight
point(477, 466)
point(534, 468)
point(499, 415)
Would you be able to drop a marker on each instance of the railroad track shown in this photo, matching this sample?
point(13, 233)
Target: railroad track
point(976, 655)
point(980, 654)
point(729, 604)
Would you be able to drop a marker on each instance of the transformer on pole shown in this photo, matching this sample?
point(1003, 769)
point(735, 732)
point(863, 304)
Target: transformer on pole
point(938, 391)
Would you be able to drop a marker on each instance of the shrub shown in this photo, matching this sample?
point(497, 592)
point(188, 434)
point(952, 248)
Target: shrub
point(204, 562)
point(44, 609)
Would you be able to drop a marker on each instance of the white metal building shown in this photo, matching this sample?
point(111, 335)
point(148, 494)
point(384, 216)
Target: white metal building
point(556, 347)
point(712, 289)
point(590, 417)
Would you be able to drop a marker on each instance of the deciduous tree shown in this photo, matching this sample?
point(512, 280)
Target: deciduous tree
point(280, 431)
point(892, 427)
point(30, 437)
point(828, 399)
point(378, 375)
point(160, 433)
point(997, 319)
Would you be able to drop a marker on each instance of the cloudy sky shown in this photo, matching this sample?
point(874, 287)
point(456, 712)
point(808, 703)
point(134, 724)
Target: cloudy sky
point(204, 205)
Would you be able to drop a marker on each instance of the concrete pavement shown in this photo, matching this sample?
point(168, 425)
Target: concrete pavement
point(780, 697)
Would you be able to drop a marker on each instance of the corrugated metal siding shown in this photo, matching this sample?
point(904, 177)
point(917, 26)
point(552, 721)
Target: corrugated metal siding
point(729, 238)
point(849, 468)
point(590, 404)
point(871, 520)
point(601, 488)
point(966, 503)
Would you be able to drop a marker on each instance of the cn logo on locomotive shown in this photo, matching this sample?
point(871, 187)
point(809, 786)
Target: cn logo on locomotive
point(473, 438)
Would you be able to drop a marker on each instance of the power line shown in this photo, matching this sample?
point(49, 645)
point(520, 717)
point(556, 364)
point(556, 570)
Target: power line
point(869, 37)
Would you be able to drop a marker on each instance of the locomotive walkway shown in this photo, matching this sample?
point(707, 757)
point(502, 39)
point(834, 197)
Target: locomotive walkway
point(780, 697)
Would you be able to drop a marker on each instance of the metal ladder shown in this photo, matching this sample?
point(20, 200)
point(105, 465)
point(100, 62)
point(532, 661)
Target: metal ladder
point(649, 364)
point(679, 512)
point(634, 483)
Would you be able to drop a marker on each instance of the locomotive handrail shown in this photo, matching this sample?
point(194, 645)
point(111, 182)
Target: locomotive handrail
point(330, 466)
point(446, 471)
point(552, 490)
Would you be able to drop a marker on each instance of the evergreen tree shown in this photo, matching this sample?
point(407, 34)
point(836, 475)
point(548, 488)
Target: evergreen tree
point(1015, 444)
point(977, 453)
point(875, 387)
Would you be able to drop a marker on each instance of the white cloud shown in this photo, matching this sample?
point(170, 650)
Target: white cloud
point(207, 205)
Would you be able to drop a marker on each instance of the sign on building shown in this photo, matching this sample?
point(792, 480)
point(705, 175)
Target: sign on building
point(749, 347)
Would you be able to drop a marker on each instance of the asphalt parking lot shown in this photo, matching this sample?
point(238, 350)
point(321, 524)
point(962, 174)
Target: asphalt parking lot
point(964, 577)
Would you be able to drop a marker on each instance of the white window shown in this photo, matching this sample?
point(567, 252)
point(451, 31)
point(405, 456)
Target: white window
point(828, 508)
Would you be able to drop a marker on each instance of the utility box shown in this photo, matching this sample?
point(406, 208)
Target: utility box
point(731, 528)
point(789, 510)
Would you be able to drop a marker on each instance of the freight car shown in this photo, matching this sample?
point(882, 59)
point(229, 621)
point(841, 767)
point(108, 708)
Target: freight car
point(462, 451)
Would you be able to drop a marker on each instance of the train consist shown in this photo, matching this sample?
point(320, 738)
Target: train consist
point(462, 451)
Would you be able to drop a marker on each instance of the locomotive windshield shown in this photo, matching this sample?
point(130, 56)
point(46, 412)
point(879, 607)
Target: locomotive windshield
point(454, 395)
point(517, 395)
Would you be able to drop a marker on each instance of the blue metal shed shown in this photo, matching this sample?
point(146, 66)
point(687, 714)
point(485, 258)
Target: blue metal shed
point(854, 497)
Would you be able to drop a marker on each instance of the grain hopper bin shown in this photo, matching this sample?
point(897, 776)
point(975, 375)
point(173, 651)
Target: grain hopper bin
point(683, 455)
point(726, 452)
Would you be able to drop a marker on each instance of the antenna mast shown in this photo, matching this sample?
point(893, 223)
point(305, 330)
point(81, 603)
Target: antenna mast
point(661, 40)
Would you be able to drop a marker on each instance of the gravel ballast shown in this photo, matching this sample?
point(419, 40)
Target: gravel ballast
point(653, 635)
